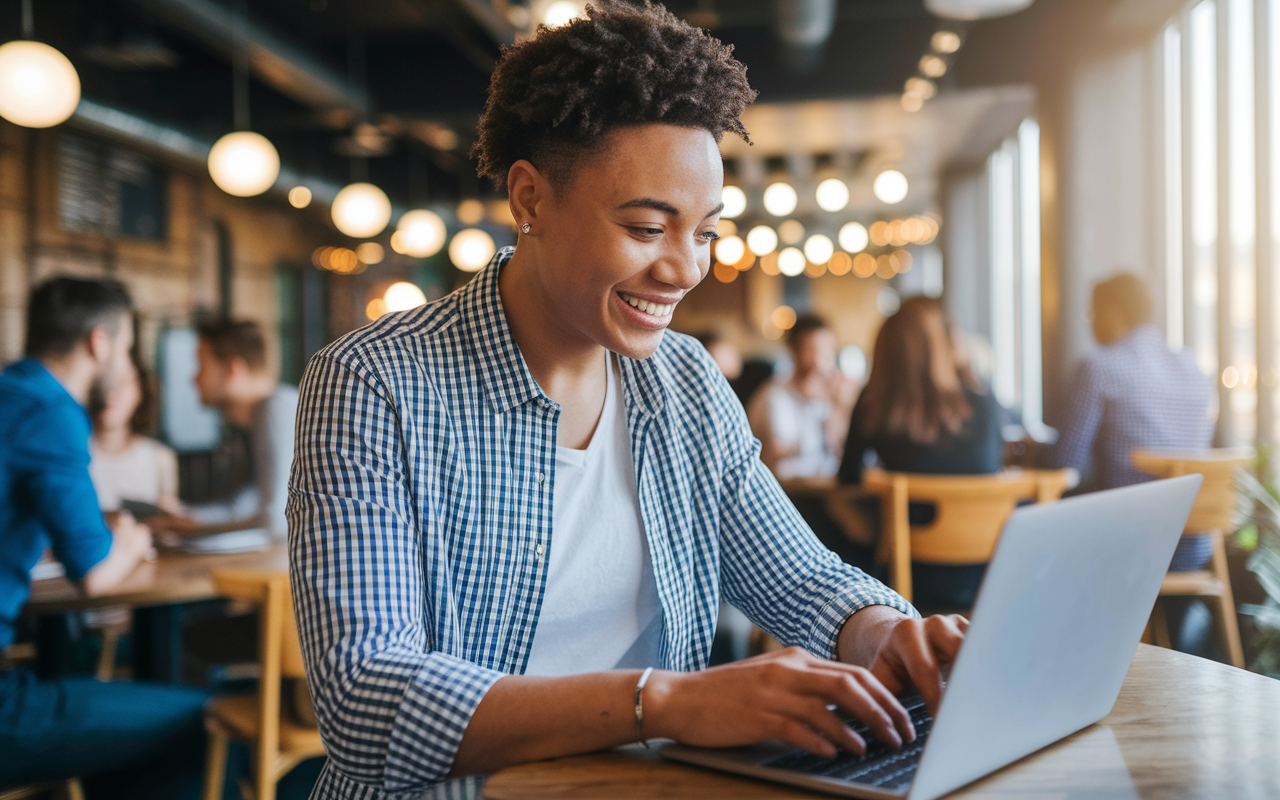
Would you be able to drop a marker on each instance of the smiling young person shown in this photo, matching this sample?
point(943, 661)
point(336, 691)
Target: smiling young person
point(507, 504)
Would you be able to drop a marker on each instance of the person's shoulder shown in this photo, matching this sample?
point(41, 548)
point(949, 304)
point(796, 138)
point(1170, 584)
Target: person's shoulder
point(683, 362)
point(393, 337)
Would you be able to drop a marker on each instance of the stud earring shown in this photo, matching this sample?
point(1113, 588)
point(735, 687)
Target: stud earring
point(524, 228)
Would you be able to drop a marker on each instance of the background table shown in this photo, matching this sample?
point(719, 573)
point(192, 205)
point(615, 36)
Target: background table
point(156, 590)
point(1183, 727)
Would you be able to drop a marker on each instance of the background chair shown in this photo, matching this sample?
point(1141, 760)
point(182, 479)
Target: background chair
point(57, 790)
point(1213, 515)
point(971, 511)
point(279, 742)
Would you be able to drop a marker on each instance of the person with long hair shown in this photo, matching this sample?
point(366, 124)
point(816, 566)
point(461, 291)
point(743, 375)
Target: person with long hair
point(514, 511)
point(921, 411)
point(125, 462)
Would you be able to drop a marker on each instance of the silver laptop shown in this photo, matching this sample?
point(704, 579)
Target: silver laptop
point(1059, 615)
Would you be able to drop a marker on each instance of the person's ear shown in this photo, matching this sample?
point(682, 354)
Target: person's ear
point(529, 191)
point(98, 343)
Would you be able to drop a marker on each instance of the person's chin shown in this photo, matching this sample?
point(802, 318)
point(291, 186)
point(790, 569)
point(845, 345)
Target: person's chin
point(637, 346)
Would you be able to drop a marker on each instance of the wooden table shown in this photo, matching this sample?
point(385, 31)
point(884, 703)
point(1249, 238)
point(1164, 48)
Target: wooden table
point(156, 590)
point(1183, 727)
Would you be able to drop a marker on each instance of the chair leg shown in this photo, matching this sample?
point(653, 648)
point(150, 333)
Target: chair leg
point(265, 783)
point(215, 765)
point(1159, 626)
point(74, 790)
point(1225, 607)
point(107, 658)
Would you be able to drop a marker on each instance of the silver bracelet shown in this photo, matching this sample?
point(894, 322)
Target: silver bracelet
point(644, 678)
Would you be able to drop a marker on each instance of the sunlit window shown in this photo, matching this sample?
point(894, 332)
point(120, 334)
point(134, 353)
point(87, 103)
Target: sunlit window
point(1202, 141)
point(1240, 413)
point(1171, 58)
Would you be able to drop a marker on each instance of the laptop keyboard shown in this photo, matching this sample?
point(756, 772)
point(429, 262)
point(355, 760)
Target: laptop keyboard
point(882, 766)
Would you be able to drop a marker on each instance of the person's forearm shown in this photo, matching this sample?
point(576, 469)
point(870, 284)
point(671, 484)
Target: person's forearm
point(524, 718)
point(864, 634)
point(110, 571)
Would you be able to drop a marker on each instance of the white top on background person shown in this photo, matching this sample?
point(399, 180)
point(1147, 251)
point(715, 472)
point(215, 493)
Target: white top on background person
point(123, 463)
point(234, 378)
point(801, 420)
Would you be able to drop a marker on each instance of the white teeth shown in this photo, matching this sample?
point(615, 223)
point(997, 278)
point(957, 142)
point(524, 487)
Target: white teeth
point(653, 309)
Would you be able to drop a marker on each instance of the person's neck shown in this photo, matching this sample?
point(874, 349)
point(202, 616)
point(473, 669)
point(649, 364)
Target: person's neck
point(113, 440)
point(76, 373)
point(561, 360)
point(239, 409)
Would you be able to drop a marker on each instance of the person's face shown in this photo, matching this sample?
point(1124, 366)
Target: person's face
point(212, 377)
point(815, 352)
point(110, 351)
point(121, 400)
point(632, 228)
point(1108, 325)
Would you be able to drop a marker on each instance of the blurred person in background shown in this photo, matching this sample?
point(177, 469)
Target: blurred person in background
point(124, 461)
point(1133, 393)
point(921, 412)
point(124, 740)
point(724, 352)
point(234, 378)
point(801, 420)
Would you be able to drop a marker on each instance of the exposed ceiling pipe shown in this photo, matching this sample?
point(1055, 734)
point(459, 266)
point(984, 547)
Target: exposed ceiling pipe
point(803, 29)
point(179, 146)
point(286, 67)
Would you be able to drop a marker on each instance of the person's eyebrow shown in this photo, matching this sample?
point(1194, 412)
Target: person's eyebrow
point(664, 207)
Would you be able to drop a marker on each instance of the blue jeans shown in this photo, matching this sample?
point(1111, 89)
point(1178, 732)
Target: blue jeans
point(133, 740)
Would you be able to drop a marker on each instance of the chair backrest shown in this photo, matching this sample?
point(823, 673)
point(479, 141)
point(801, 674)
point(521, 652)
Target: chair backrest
point(279, 649)
point(971, 512)
point(1215, 506)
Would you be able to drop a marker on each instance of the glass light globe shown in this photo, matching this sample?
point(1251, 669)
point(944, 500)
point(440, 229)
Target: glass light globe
point(402, 296)
point(762, 240)
point(420, 233)
point(38, 86)
point(471, 249)
point(730, 250)
point(791, 232)
point(945, 41)
point(244, 164)
point(561, 12)
point(361, 210)
point(780, 199)
point(890, 186)
point(791, 261)
point(832, 195)
point(735, 202)
point(299, 197)
point(818, 249)
point(853, 237)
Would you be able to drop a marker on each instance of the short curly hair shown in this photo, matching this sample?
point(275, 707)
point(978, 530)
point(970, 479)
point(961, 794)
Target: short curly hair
point(555, 96)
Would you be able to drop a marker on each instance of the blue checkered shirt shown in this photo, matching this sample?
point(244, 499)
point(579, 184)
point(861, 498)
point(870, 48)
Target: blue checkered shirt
point(420, 527)
point(1134, 394)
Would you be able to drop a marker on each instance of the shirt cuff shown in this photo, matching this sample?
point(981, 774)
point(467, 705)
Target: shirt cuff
point(825, 634)
point(433, 715)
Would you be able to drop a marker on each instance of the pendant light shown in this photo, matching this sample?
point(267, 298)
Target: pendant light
point(39, 88)
point(243, 163)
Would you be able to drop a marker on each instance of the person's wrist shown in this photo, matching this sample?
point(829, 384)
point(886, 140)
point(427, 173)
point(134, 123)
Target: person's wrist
point(866, 632)
point(657, 700)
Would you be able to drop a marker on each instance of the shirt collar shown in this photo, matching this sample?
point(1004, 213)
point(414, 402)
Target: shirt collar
point(40, 375)
point(504, 374)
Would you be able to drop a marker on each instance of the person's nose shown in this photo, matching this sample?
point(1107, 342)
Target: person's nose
point(684, 264)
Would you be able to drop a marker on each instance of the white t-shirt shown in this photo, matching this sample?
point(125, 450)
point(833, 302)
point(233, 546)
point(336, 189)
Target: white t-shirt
point(146, 471)
point(601, 609)
point(794, 419)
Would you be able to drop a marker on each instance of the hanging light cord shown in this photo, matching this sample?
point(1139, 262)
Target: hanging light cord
point(239, 69)
point(28, 21)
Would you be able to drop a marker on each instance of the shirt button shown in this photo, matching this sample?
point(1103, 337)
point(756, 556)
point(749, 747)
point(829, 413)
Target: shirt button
point(540, 549)
point(542, 477)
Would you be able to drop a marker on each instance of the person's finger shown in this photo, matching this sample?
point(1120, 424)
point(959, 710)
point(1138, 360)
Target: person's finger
point(799, 735)
point(849, 691)
point(813, 713)
point(917, 658)
point(944, 636)
point(901, 717)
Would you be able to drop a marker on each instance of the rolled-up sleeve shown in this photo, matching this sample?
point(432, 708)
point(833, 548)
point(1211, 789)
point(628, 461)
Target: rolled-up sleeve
point(773, 567)
point(391, 708)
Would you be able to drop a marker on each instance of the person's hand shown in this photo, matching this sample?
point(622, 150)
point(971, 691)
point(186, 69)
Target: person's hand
point(916, 651)
point(174, 523)
point(783, 695)
point(131, 538)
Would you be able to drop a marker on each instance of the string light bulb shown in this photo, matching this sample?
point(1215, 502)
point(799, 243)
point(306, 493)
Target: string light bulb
point(244, 164)
point(890, 186)
point(791, 262)
point(762, 240)
point(819, 249)
point(832, 195)
point(471, 249)
point(735, 202)
point(361, 210)
point(780, 199)
point(730, 250)
point(419, 233)
point(853, 237)
point(39, 88)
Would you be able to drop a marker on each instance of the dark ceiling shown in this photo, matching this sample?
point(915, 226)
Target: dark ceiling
point(425, 64)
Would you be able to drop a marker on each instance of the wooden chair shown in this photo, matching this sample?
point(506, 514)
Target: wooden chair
point(1212, 515)
point(280, 743)
point(971, 511)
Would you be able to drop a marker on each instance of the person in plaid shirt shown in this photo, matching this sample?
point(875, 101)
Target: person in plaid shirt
point(511, 506)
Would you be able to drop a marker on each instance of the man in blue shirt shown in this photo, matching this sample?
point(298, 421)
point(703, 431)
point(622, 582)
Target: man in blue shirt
point(123, 739)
